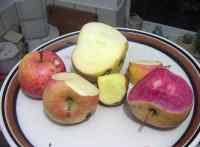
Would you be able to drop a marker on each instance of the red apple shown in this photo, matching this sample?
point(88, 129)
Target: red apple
point(69, 99)
point(35, 70)
point(162, 99)
point(139, 69)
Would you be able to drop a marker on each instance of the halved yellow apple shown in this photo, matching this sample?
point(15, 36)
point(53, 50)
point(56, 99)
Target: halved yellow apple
point(100, 49)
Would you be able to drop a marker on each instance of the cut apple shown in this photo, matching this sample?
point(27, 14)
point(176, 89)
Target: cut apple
point(77, 83)
point(163, 96)
point(69, 98)
point(139, 69)
point(100, 49)
point(112, 89)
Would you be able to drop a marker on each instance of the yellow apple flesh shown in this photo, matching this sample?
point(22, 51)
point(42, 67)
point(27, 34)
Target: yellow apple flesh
point(100, 49)
point(112, 89)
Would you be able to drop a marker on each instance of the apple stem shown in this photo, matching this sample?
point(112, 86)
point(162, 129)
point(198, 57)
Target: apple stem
point(148, 115)
point(41, 56)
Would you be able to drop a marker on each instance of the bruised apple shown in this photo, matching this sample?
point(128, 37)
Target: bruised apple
point(69, 98)
point(139, 69)
point(162, 99)
point(35, 70)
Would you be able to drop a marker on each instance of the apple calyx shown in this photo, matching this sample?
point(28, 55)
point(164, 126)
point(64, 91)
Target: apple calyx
point(70, 104)
point(151, 112)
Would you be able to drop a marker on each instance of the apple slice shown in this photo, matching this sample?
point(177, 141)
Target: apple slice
point(139, 69)
point(112, 89)
point(69, 98)
point(163, 97)
point(100, 49)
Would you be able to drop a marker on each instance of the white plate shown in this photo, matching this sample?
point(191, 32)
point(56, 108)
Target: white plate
point(109, 126)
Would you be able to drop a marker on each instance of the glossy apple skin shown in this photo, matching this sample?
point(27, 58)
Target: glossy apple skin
point(35, 69)
point(54, 97)
point(137, 71)
point(168, 95)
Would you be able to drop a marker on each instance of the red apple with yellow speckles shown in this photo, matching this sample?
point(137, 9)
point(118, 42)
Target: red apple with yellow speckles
point(35, 69)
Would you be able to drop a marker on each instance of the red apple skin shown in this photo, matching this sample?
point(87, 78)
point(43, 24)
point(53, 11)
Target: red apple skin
point(165, 94)
point(35, 69)
point(137, 71)
point(54, 103)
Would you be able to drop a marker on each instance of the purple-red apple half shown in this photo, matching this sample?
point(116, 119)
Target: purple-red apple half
point(35, 69)
point(69, 98)
point(162, 99)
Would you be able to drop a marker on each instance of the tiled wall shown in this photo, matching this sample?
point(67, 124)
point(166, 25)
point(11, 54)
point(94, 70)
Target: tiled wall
point(33, 18)
point(116, 16)
point(8, 19)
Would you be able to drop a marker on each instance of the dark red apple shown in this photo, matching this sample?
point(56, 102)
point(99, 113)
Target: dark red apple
point(35, 69)
point(162, 99)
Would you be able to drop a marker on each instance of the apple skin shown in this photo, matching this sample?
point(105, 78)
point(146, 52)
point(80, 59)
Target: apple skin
point(137, 71)
point(35, 69)
point(54, 103)
point(162, 99)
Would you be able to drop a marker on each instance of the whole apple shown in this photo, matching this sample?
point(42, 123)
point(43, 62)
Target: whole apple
point(35, 69)
point(69, 98)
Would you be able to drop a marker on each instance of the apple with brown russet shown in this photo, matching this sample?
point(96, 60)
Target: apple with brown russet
point(69, 98)
point(162, 99)
point(35, 69)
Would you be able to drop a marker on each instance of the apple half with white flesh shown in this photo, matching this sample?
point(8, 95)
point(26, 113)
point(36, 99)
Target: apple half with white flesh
point(100, 49)
point(113, 88)
point(137, 70)
point(69, 98)
point(162, 99)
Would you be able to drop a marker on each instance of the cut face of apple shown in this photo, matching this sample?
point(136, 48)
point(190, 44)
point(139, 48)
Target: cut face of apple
point(112, 89)
point(36, 69)
point(163, 96)
point(100, 49)
point(69, 98)
point(139, 69)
